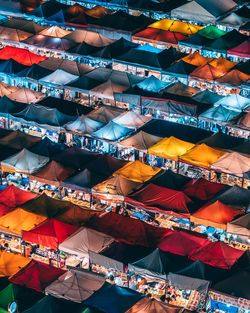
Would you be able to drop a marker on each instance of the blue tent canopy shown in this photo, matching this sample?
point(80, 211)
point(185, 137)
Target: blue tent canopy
point(152, 84)
point(149, 48)
point(113, 299)
point(57, 18)
point(219, 113)
point(112, 131)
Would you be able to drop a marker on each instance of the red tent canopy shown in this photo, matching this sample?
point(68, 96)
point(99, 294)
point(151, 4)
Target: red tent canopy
point(160, 198)
point(243, 50)
point(22, 56)
point(182, 243)
point(36, 276)
point(202, 189)
point(217, 254)
point(160, 35)
point(49, 234)
point(11, 197)
point(128, 230)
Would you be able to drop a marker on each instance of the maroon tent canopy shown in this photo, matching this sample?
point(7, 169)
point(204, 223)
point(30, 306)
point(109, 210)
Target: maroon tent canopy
point(127, 229)
point(160, 198)
point(36, 276)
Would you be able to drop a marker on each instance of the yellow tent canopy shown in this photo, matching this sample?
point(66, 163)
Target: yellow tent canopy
point(11, 263)
point(137, 171)
point(176, 26)
point(196, 59)
point(170, 148)
point(222, 64)
point(202, 155)
point(18, 220)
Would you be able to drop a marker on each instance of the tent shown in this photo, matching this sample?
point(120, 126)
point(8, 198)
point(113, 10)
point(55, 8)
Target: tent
point(233, 78)
point(55, 31)
point(152, 84)
point(49, 234)
point(24, 25)
point(154, 197)
point(243, 148)
point(217, 254)
point(83, 84)
point(18, 220)
point(180, 69)
point(22, 56)
point(170, 148)
point(242, 50)
point(24, 162)
point(232, 163)
point(5, 89)
point(26, 95)
point(75, 285)
point(222, 141)
point(196, 59)
point(83, 240)
point(84, 180)
point(176, 26)
point(211, 32)
point(202, 189)
point(74, 157)
point(83, 125)
point(91, 38)
point(195, 41)
point(131, 119)
point(6, 152)
point(36, 276)
point(159, 36)
point(53, 305)
point(171, 180)
point(46, 206)
point(207, 73)
point(205, 12)
point(236, 284)
point(11, 263)
point(11, 197)
point(220, 113)
point(107, 90)
point(149, 305)
point(244, 121)
point(83, 49)
point(113, 299)
point(157, 264)
point(182, 90)
point(112, 131)
point(115, 186)
point(104, 114)
point(202, 155)
point(35, 72)
point(234, 102)
point(8, 107)
point(182, 243)
point(14, 35)
point(47, 148)
point(216, 215)
point(240, 226)
point(207, 97)
point(137, 171)
point(11, 67)
point(59, 77)
point(128, 230)
point(140, 141)
point(222, 64)
point(48, 42)
point(46, 9)
point(235, 196)
point(69, 66)
point(52, 173)
point(49, 118)
point(19, 140)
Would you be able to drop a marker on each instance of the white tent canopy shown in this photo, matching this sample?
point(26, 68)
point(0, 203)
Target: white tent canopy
point(131, 120)
point(83, 240)
point(235, 102)
point(75, 285)
point(59, 77)
point(83, 125)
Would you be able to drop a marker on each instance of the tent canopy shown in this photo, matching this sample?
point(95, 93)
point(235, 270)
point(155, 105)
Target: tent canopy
point(232, 163)
point(75, 285)
point(223, 141)
point(233, 78)
point(207, 97)
point(196, 59)
point(131, 119)
point(18, 140)
point(18, 220)
point(159, 35)
point(83, 125)
point(24, 162)
point(59, 77)
point(54, 31)
point(235, 196)
point(140, 141)
point(22, 56)
point(26, 95)
point(202, 155)
point(240, 226)
point(112, 131)
point(24, 25)
point(211, 32)
point(170, 148)
point(104, 114)
point(215, 215)
point(171, 180)
point(36, 276)
point(91, 38)
point(220, 113)
point(10, 34)
point(137, 171)
point(152, 84)
point(222, 64)
point(47, 148)
point(242, 50)
point(49, 234)
point(83, 240)
point(207, 72)
point(34, 72)
point(176, 26)
point(11, 263)
point(234, 102)
point(156, 197)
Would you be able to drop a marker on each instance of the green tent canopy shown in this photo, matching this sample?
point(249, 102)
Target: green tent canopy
point(211, 32)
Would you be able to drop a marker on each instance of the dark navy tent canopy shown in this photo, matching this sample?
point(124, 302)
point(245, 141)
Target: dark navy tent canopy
point(47, 147)
point(84, 49)
point(235, 196)
point(35, 72)
point(223, 141)
point(181, 68)
point(84, 84)
point(195, 40)
point(47, 9)
point(171, 180)
point(11, 67)
point(8, 107)
point(57, 18)
point(113, 299)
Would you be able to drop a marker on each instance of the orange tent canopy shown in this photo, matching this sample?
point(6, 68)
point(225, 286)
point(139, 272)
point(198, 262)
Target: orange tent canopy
point(196, 59)
point(234, 77)
point(215, 215)
point(222, 64)
point(11, 263)
point(207, 72)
